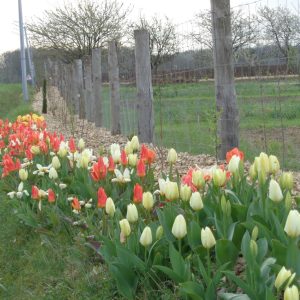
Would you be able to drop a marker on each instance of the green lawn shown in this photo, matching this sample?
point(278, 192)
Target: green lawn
point(269, 114)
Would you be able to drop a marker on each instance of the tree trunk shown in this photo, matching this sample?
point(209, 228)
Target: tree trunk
point(228, 123)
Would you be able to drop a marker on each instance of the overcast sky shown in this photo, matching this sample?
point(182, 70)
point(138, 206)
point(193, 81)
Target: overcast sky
point(177, 10)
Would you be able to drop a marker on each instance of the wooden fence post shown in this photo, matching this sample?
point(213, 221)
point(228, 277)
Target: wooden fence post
point(144, 86)
point(79, 104)
point(114, 88)
point(97, 114)
point(228, 124)
point(87, 71)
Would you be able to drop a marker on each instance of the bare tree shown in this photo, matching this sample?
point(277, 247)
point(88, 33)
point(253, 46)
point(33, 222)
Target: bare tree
point(243, 28)
point(76, 28)
point(163, 39)
point(281, 27)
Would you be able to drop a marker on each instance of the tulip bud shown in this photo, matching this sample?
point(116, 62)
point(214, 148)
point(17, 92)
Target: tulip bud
point(125, 227)
point(253, 248)
point(179, 227)
point(23, 174)
point(185, 192)
point(132, 160)
point(264, 162)
point(146, 237)
point(35, 150)
point(148, 200)
point(62, 152)
point(207, 238)
point(286, 180)
point(233, 165)
point(252, 173)
point(274, 164)
point(81, 144)
point(196, 201)
point(198, 179)
point(275, 193)
point(292, 224)
point(254, 234)
point(110, 207)
point(132, 213)
point(52, 173)
point(84, 161)
point(282, 277)
point(115, 152)
point(135, 143)
point(291, 293)
point(172, 156)
point(128, 148)
point(171, 191)
point(55, 162)
point(219, 177)
point(159, 232)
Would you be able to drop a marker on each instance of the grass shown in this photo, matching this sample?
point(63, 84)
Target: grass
point(269, 112)
point(11, 102)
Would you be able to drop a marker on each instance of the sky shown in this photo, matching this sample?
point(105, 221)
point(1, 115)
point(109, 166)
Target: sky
point(178, 11)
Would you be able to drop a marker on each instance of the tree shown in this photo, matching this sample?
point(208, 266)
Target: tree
point(281, 27)
point(244, 29)
point(163, 39)
point(75, 29)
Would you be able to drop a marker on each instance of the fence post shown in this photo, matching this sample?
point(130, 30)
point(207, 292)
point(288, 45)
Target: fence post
point(87, 71)
point(144, 86)
point(79, 104)
point(228, 124)
point(114, 83)
point(97, 113)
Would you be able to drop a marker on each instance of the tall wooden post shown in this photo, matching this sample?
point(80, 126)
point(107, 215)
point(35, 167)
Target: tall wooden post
point(79, 104)
point(228, 124)
point(97, 113)
point(87, 67)
point(114, 82)
point(144, 86)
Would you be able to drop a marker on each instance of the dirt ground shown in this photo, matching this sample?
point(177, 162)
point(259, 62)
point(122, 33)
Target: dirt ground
point(99, 139)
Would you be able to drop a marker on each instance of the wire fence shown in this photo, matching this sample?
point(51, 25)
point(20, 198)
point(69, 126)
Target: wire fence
point(185, 117)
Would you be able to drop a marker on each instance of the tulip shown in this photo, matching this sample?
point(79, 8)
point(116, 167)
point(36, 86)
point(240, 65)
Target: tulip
point(102, 198)
point(115, 152)
point(128, 148)
point(51, 196)
point(179, 227)
point(282, 277)
point(148, 200)
point(110, 207)
point(159, 232)
point(146, 237)
point(35, 150)
point(171, 191)
point(140, 168)
point(55, 162)
point(125, 227)
point(196, 201)
point(292, 225)
point(198, 179)
point(274, 164)
point(233, 165)
point(219, 177)
point(254, 233)
point(185, 192)
point(172, 156)
point(132, 213)
point(137, 193)
point(207, 238)
point(275, 193)
point(253, 248)
point(135, 143)
point(23, 174)
point(81, 144)
point(132, 160)
point(252, 172)
point(52, 173)
point(286, 180)
point(291, 293)
point(63, 150)
point(84, 161)
point(162, 186)
point(264, 163)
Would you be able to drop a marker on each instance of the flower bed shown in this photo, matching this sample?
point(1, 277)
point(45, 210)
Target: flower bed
point(213, 233)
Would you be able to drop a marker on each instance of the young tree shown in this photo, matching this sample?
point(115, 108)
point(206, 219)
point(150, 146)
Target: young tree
point(281, 27)
point(163, 39)
point(76, 28)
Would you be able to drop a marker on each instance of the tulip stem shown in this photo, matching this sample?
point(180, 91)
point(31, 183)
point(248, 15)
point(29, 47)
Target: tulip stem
point(208, 264)
point(179, 246)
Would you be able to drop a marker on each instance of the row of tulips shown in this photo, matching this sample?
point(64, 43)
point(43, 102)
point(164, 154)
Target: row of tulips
point(211, 233)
